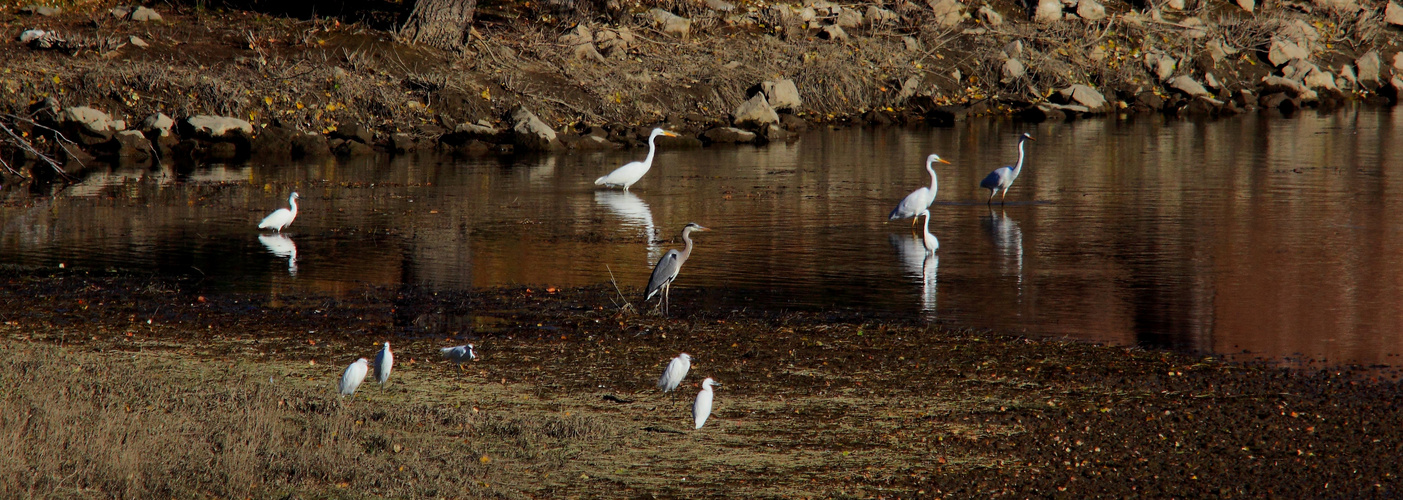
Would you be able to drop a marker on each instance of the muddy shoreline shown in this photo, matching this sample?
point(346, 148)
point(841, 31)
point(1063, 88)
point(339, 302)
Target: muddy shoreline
point(813, 403)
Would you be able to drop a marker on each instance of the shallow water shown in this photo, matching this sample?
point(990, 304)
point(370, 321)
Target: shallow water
point(1273, 236)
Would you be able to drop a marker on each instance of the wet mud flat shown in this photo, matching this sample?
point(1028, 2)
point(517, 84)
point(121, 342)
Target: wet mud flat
point(163, 388)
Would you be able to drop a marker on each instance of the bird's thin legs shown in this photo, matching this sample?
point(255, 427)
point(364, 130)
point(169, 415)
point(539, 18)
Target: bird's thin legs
point(991, 196)
point(1002, 196)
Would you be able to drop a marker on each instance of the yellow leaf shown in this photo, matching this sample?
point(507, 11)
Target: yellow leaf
point(486, 94)
point(268, 100)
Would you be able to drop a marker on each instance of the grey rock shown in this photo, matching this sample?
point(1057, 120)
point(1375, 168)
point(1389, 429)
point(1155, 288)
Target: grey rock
point(1091, 10)
point(1393, 14)
point(947, 12)
point(1212, 81)
point(834, 33)
point(131, 144)
point(137, 41)
point(672, 24)
point(158, 124)
point(401, 142)
point(1283, 51)
point(1013, 69)
point(592, 143)
point(120, 12)
point(1247, 5)
point(1048, 11)
point(218, 127)
point(909, 88)
point(1187, 85)
point(480, 131)
point(530, 133)
point(1014, 49)
point(41, 10)
point(1320, 79)
point(1347, 73)
point(877, 16)
point(807, 14)
point(729, 135)
point(782, 95)
point(1086, 96)
point(1194, 28)
point(615, 43)
point(1161, 65)
point(1219, 50)
point(89, 125)
point(721, 5)
point(910, 43)
point(756, 111)
point(1368, 66)
point(1398, 61)
point(1271, 84)
point(989, 16)
point(31, 35)
point(143, 14)
point(849, 18)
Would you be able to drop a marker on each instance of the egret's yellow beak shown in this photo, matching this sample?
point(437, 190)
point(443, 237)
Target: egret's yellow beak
point(942, 160)
point(669, 134)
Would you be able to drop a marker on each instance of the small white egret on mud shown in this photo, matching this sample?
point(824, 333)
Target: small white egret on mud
point(918, 202)
point(281, 217)
point(459, 354)
point(355, 374)
point(628, 174)
point(1002, 177)
point(667, 267)
point(383, 363)
point(701, 409)
point(675, 372)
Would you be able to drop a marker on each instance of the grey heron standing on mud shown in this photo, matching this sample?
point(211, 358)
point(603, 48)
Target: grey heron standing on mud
point(1002, 178)
point(667, 267)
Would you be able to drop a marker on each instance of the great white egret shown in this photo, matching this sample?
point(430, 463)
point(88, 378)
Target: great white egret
point(701, 409)
point(281, 217)
point(355, 374)
point(460, 354)
point(628, 174)
point(1002, 178)
point(918, 202)
point(383, 363)
point(667, 267)
point(675, 372)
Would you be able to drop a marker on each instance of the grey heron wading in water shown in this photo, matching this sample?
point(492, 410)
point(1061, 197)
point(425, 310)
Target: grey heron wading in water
point(667, 267)
point(628, 174)
point(281, 217)
point(1002, 178)
point(918, 202)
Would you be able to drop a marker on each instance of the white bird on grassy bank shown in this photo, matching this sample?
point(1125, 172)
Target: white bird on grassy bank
point(675, 372)
point(355, 374)
point(701, 409)
point(383, 363)
point(628, 174)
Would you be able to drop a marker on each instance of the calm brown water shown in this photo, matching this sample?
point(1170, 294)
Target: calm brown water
point(1280, 237)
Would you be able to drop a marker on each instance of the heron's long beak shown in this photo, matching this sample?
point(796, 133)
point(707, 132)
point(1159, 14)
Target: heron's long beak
point(1031, 138)
point(669, 134)
point(702, 228)
point(942, 160)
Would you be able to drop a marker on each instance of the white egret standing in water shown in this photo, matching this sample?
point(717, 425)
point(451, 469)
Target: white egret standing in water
point(667, 267)
point(701, 409)
point(355, 374)
point(675, 372)
point(281, 217)
point(1002, 177)
point(281, 246)
point(383, 363)
point(918, 202)
point(628, 174)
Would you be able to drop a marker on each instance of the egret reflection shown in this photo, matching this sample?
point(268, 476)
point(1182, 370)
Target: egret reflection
point(281, 246)
point(633, 211)
point(916, 262)
point(1007, 238)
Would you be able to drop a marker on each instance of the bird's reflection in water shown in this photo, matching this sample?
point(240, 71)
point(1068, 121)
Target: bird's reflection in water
point(633, 211)
point(916, 262)
point(281, 246)
point(1008, 243)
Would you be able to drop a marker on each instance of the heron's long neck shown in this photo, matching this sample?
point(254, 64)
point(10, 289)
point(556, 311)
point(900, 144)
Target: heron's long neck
point(1018, 167)
point(687, 246)
point(652, 149)
point(293, 201)
point(933, 182)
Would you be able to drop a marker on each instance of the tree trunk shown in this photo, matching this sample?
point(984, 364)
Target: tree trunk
point(440, 23)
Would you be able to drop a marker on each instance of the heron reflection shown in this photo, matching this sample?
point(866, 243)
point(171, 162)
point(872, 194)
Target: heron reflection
point(633, 211)
point(1007, 238)
point(919, 262)
point(281, 246)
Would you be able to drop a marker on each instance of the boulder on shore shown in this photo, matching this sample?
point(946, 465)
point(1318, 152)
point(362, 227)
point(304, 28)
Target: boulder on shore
point(728, 135)
point(217, 128)
point(530, 133)
point(755, 111)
